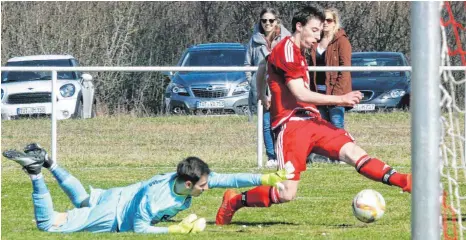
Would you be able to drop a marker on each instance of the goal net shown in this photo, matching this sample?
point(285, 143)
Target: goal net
point(453, 110)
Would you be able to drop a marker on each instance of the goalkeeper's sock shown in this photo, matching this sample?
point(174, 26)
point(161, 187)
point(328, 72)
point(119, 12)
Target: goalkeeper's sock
point(38, 184)
point(379, 171)
point(262, 196)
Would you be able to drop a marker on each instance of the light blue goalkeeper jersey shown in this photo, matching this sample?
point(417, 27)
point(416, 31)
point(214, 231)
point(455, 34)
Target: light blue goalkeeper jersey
point(143, 204)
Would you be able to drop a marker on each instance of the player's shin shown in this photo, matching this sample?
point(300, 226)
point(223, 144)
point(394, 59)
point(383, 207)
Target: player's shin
point(70, 185)
point(43, 206)
point(262, 196)
point(379, 171)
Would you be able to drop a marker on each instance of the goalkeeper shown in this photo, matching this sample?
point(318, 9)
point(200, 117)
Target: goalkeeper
point(132, 208)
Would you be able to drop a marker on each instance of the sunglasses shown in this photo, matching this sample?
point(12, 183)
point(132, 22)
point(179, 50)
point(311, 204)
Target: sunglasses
point(265, 20)
point(329, 20)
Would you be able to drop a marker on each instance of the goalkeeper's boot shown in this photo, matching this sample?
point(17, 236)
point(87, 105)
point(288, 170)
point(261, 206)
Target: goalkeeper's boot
point(31, 162)
point(226, 211)
point(409, 183)
point(35, 148)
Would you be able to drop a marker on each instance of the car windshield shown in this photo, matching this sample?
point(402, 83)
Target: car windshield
point(222, 58)
point(379, 62)
point(31, 76)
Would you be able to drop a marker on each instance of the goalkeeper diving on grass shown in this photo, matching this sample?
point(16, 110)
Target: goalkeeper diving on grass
point(136, 207)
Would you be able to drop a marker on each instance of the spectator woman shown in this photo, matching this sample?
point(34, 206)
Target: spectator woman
point(333, 49)
point(267, 33)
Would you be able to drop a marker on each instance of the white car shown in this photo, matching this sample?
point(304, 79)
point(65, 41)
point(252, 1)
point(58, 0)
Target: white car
point(29, 93)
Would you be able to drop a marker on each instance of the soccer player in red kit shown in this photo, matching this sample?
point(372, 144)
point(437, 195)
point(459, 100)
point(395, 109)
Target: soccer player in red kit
point(297, 124)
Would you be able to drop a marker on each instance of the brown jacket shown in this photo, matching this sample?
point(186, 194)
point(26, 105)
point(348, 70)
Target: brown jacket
point(338, 53)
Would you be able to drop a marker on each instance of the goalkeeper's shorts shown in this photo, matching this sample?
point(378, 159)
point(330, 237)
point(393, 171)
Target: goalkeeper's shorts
point(299, 136)
point(100, 216)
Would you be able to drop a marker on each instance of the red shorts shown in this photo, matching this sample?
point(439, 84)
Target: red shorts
point(296, 138)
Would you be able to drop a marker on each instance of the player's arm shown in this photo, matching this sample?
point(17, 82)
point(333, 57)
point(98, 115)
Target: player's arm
point(143, 218)
point(344, 59)
point(239, 180)
point(293, 74)
point(248, 60)
point(146, 211)
point(303, 94)
point(261, 83)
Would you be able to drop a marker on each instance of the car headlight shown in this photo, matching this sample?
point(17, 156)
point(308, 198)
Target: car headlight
point(395, 93)
point(67, 90)
point(241, 88)
point(178, 89)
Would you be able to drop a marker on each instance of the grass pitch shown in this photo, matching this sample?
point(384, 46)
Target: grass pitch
point(118, 151)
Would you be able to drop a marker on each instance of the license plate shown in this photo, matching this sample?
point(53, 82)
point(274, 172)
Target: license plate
point(210, 104)
point(364, 107)
point(30, 110)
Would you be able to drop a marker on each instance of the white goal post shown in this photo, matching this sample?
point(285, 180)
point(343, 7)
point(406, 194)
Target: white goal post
point(425, 121)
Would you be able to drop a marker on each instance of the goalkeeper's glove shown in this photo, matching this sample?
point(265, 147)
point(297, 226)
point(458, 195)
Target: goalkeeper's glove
point(190, 224)
point(275, 179)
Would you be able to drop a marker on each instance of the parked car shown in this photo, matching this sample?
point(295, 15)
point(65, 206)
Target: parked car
point(29, 93)
point(382, 90)
point(209, 92)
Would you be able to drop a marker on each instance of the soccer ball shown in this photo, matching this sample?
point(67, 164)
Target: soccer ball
point(368, 206)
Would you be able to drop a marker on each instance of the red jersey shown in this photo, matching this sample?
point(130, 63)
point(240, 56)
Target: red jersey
point(285, 63)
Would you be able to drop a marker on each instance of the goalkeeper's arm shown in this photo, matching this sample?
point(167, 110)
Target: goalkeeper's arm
point(239, 180)
point(190, 224)
point(141, 226)
point(143, 218)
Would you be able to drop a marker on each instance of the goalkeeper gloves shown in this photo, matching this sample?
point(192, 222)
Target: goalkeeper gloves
point(275, 179)
point(190, 224)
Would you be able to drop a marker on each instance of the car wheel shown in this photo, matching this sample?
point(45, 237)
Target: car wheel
point(79, 112)
point(6, 117)
point(404, 103)
point(176, 110)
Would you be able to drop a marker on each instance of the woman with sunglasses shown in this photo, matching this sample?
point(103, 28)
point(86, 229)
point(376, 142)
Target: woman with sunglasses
point(267, 33)
point(333, 49)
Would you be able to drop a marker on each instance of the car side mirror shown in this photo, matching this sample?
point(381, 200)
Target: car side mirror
point(170, 73)
point(86, 77)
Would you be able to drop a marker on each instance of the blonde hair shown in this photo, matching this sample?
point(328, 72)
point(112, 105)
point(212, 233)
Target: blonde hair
point(336, 18)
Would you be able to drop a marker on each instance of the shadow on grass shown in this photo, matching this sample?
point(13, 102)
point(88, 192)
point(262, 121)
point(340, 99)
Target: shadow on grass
point(252, 224)
point(343, 225)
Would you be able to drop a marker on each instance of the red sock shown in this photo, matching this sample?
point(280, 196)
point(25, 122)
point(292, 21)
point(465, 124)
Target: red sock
point(379, 171)
point(262, 196)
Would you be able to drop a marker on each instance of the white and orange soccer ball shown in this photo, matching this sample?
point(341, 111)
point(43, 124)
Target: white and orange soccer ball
point(368, 206)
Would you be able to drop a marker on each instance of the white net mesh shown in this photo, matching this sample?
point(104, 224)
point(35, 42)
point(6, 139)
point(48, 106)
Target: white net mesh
point(453, 102)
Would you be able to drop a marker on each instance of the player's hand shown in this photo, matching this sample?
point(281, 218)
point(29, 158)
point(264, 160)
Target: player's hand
point(265, 101)
point(350, 99)
point(190, 224)
point(275, 179)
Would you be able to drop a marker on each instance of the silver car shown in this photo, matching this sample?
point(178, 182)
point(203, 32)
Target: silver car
point(209, 92)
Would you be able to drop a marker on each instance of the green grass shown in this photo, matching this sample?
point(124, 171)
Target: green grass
point(118, 151)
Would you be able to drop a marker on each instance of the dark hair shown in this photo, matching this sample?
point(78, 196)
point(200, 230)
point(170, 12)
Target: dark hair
point(307, 14)
point(192, 169)
point(264, 11)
